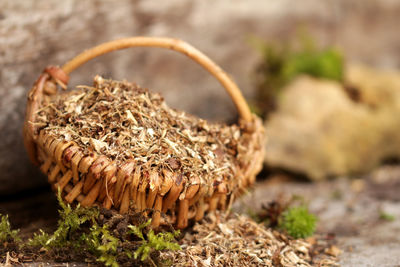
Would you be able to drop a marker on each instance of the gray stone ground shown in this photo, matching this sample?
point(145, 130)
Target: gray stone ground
point(350, 209)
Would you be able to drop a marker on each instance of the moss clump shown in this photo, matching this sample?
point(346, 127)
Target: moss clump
point(90, 234)
point(281, 63)
point(103, 244)
point(298, 222)
point(160, 241)
point(291, 216)
point(386, 216)
point(71, 220)
point(39, 239)
point(75, 234)
point(326, 63)
point(6, 234)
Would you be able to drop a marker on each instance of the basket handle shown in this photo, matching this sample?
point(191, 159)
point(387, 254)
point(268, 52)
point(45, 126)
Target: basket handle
point(45, 84)
point(172, 44)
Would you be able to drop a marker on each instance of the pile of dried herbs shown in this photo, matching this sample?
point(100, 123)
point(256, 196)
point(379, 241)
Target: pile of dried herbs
point(123, 121)
point(239, 241)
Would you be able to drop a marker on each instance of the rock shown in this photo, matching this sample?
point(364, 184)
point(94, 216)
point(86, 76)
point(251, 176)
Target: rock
point(320, 130)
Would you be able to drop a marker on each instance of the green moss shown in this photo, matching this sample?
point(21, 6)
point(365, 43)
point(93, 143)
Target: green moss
point(386, 216)
point(298, 222)
point(282, 62)
point(72, 233)
point(327, 64)
point(102, 244)
point(39, 239)
point(70, 223)
point(160, 241)
point(82, 235)
point(80, 232)
point(6, 234)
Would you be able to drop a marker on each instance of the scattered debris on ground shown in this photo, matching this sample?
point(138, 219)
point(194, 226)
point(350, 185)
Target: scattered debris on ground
point(354, 211)
point(238, 240)
point(127, 240)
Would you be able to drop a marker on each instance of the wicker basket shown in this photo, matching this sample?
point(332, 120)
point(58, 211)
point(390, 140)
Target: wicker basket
point(97, 180)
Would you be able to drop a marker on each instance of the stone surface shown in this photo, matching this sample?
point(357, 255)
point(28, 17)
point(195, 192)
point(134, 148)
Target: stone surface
point(320, 131)
point(34, 34)
point(348, 210)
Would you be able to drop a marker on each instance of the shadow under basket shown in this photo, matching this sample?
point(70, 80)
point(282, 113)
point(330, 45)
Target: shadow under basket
point(121, 147)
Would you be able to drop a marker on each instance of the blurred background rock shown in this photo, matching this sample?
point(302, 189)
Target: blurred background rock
point(321, 131)
point(34, 34)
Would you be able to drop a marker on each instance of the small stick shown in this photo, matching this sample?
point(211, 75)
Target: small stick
point(93, 194)
point(86, 162)
point(222, 201)
point(153, 188)
point(125, 202)
point(155, 222)
point(166, 183)
point(50, 140)
point(76, 159)
point(172, 196)
point(200, 194)
point(200, 210)
point(63, 181)
point(53, 174)
point(59, 152)
point(53, 146)
point(108, 201)
point(183, 214)
point(109, 178)
point(123, 178)
point(74, 192)
point(142, 201)
point(68, 155)
point(46, 165)
point(213, 202)
point(94, 172)
point(191, 191)
point(42, 138)
point(135, 184)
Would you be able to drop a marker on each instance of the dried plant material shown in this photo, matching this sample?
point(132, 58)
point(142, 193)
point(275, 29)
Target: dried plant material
point(333, 251)
point(239, 241)
point(127, 150)
point(125, 122)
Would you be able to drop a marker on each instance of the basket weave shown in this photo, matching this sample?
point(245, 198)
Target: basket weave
point(95, 179)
